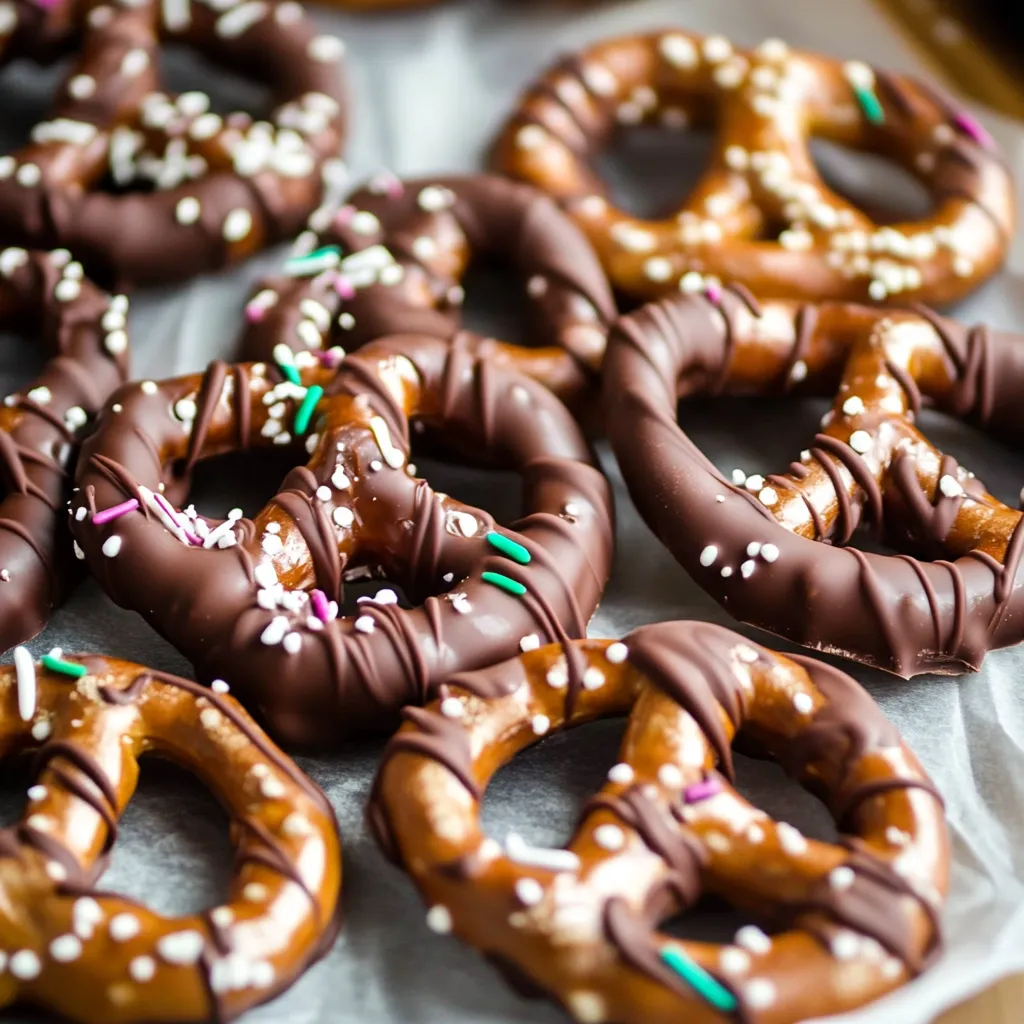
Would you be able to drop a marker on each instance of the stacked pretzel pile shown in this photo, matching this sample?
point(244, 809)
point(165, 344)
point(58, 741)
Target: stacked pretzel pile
point(472, 643)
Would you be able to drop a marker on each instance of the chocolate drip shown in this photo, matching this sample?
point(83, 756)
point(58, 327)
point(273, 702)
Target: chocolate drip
point(931, 520)
point(805, 323)
point(440, 740)
point(863, 477)
point(210, 394)
point(270, 854)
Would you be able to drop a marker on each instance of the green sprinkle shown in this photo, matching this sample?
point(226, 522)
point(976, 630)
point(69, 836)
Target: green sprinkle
point(869, 104)
point(707, 987)
point(290, 373)
point(305, 413)
point(503, 583)
point(509, 548)
point(325, 258)
point(65, 668)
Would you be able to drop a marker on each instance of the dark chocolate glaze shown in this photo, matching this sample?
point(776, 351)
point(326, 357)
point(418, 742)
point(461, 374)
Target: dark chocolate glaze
point(111, 128)
point(343, 679)
point(481, 217)
point(38, 442)
point(896, 613)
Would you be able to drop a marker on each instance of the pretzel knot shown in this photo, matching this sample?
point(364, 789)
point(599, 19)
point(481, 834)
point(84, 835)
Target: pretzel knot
point(749, 540)
point(82, 331)
point(761, 215)
point(145, 186)
point(94, 956)
point(255, 602)
point(667, 826)
point(393, 258)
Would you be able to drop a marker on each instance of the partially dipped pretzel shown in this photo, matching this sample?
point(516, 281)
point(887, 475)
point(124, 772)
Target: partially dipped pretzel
point(754, 541)
point(392, 259)
point(145, 186)
point(101, 958)
point(255, 602)
point(761, 215)
point(850, 920)
point(82, 331)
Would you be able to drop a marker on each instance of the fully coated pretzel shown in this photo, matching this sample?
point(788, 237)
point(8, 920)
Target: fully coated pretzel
point(761, 215)
point(101, 958)
point(253, 602)
point(860, 915)
point(750, 541)
point(413, 242)
point(144, 186)
point(82, 331)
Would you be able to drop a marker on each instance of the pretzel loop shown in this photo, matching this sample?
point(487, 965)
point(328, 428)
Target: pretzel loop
point(666, 826)
point(258, 599)
point(121, 162)
point(761, 215)
point(94, 956)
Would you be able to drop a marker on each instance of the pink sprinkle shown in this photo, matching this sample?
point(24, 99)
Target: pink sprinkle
point(321, 606)
point(254, 312)
point(344, 215)
point(48, 4)
point(115, 511)
point(713, 293)
point(344, 287)
point(328, 357)
point(969, 126)
point(702, 790)
point(176, 519)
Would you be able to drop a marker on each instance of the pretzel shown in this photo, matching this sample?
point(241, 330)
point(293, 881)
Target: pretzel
point(391, 260)
point(860, 916)
point(750, 540)
point(761, 215)
point(255, 602)
point(145, 186)
point(82, 331)
point(95, 956)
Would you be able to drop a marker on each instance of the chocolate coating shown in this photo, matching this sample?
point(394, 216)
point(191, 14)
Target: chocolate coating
point(245, 611)
point(147, 187)
point(761, 215)
point(850, 920)
point(434, 229)
point(101, 958)
point(894, 612)
point(45, 296)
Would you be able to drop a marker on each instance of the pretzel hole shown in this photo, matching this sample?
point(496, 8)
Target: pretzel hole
point(172, 852)
point(15, 780)
point(229, 89)
point(881, 188)
point(28, 96)
point(495, 305)
point(649, 171)
point(245, 480)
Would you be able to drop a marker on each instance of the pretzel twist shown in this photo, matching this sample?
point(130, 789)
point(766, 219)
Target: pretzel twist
point(392, 260)
point(254, 602)
point(857, 917)
point(82, 333)
point(95, 956)
point(761, 215)
point(194, 190)
point(749, 540)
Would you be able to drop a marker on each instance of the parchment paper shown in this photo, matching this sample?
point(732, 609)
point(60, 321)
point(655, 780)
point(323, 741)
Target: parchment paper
point(429, 89)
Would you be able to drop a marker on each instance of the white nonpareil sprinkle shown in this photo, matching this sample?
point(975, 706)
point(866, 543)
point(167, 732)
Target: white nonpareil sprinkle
point(754, 482)
point(531, 136)
point(617, 652)
point(24, 965)
point(860, 441)
point(434, 198)
point(187, 210)
point(769, 552)
point(669, 775)
point(803, 703)
point(529, 891)
point(760, 993)
point(734, 961)
point(183, 948)
point(519, 850)
point(219, 686)
point(364, 624)
point(451, 707)
point(726, 571)
point(292, 643)
point(25, 671)
point(895, 836)
point(950, 486)
point(274, 633)
point(112, 546)
point(747, 568)
point(439, 919)
point(841, 878)
point(326, 49)
point(343, 516)
point(237, 224)
point(593, 678)
point(142, 968)
point(751, 938)
point(621, 773)
point(609, 837)
point(708, 555)
point(66, 948)
point(768, 496)
point(754, 548)
point(845, 945)
point(530, 642)
point(36, 792)
point(790, 839)
point(678, 50)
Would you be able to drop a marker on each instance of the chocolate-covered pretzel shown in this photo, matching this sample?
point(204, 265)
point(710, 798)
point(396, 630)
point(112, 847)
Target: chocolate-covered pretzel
point(255, 602)
point(753, 542)
point(761, 215)
point(392, 260)
point(95, 956)
point(83, 334)
point(145, 186)
point(852, 919)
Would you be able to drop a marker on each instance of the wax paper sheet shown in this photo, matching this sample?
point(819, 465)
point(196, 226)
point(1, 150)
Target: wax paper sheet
point(429, 88)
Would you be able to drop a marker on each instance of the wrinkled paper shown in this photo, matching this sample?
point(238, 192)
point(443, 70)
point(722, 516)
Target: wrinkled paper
point(429, 89)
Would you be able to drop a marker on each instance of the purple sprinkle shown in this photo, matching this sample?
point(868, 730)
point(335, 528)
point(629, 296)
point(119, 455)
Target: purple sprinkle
point(702, 790)
point(969, 126)
point(321, 606)
point(344, 287)
point(115, 511)
point(713, 294)
point(328, 357)
point(176, 519)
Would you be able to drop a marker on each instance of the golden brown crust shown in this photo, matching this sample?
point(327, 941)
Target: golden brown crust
point(580, 923)
point(97, 957)
point(761, 215)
